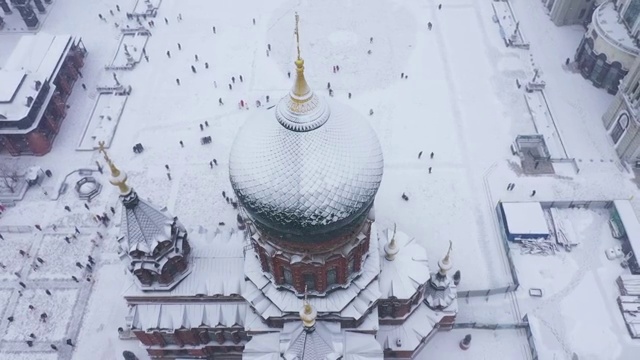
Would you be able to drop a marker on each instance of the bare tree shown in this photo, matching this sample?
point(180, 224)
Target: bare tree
point(10, 177)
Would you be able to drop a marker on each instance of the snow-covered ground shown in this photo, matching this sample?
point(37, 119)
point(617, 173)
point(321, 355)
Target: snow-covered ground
point(460, 101)
point(485, 344)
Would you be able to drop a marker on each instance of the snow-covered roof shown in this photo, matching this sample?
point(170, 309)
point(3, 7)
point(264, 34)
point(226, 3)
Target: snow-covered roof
point(630, 223)
point(409, 270)
point(217, 269)
point(609, 27)
point(525, 218)
point(263, 347)
point(40, 52)
point(144, 226)
point(323, 343)
point(412, 332)
point(359, 346)
point(10, 80)
point(35, 58)
point(353, 301)
point(176, 316)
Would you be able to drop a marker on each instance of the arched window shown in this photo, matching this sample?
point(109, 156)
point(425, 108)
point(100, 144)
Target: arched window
point(331, 276)
point(310, 281)
point(618, 129)
point(286, 274)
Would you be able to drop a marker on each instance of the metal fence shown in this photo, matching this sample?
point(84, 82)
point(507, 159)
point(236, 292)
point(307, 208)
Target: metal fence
point(578, 204)
point(487, 292)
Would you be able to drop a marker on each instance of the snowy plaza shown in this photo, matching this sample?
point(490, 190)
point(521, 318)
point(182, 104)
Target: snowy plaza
point(448, 93)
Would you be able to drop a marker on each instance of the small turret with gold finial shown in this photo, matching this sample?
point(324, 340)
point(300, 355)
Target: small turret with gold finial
point(308, 314)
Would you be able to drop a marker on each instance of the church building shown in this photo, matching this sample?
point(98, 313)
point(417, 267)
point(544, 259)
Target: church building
point(308, 273)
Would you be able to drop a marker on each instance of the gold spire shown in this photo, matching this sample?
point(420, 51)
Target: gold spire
point(118, 178)
point(446, 258)
point(307, 314)
point(445, 264)
point(300, 89)
point(390, 248)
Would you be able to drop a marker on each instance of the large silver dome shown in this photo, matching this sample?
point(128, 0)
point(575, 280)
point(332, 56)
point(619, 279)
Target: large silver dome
point(307, 168)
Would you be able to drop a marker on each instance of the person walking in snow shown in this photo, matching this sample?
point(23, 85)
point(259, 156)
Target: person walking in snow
point(419, 154)
point(77, 230)
point(289, 74)
point(86, 206)
point(206, 65)
point(214, 29)
point(196, 57)
point(169, 54)
point(328, 85)
point(84, 87)
point(431, 156)
point(349, 95)
point(67, 208)
point(370, 112)
point(429, 169)
point(254, 21)
point(439, 6)
point(178, 81)
point(533, 193)
point(169, 176)
point(371, 40)
point(269, 47)
point(211, 164)
point(38, 227)
point(181, 144)
point(230, 87)
point(233, 79)
point(241, 79)
point(215, 162)
point(179, 46)
point(220, 102)
point(267, 97)
point(201, 127)
point(166, 21)
point(193, 69)
point(429, 25)
point(113, 210)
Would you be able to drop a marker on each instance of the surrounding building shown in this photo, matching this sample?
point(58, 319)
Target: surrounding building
point(571, 12)
point(308, 274)
point(35, 83)
point(25, 9)
point(610, 45)
point(622, 119)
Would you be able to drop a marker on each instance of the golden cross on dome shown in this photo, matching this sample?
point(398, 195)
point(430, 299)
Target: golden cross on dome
point(114, 170)
point(117, 178)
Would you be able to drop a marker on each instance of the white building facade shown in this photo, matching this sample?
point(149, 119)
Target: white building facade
point(570, 12)
point(622, 119)
point(609, 47)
